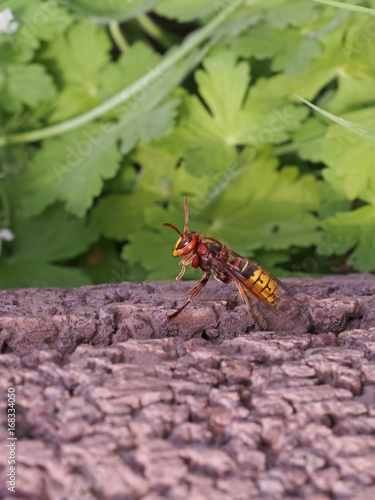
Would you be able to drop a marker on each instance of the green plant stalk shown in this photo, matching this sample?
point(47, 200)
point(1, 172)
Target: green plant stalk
point(154, 31)
point(118, 37)
point(361, 130)
point(347, 6)
point(191, 42)
point(293, 147)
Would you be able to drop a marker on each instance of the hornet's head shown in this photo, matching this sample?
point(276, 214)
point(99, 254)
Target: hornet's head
point(187, 240)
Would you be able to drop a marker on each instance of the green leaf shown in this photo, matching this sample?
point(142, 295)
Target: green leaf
point(210, 131)
point(290, 13)
point(120, 215)
point(158, 122)
point(266, 208)
point(355, 80)
point(332, 200)
point(39, 274)
point(71, 169)
point(85, 65)
point(175, 62)
point(59, 236)
point(268, 118)
point(350, 157)
point(111, 9)
point(78, 65)
point(209, 134)
point(352, 230)
point(33, 261)
point(22, 85)
point(166, 177)
point(223, 87)
point(158, 163)
point(154, 252)
point(186, 10)
point(319, 73)
point(289, 50)
point(124, 181)
point(149, 115)
point(342, 5)
point(38, 21)
point(44, 20)
point(354, 92)
point(129, 67)
point(71, 101)
point(309, 140)
point(81, 160)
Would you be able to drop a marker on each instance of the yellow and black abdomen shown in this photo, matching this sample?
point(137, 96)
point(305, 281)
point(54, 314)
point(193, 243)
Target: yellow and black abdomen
point(260, 282)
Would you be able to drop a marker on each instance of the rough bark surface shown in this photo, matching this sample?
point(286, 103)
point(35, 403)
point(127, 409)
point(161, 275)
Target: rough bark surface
point(115, 402)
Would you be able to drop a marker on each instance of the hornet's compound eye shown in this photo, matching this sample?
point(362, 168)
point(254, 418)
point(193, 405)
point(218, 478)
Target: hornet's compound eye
point(181, 243)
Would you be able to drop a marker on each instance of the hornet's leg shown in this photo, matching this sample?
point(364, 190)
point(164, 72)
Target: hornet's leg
point(182, 271)
point(254, 311)
point(185, 262)
point(194, 292)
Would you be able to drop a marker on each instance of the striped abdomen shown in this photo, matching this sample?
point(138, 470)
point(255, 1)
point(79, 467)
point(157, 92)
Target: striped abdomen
point(261, 283)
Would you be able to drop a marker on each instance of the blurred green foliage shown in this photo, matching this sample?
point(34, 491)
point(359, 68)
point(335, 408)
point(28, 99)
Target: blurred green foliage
point(112, 112)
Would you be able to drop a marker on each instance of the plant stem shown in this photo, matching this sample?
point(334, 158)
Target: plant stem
point(118, 37)
point(353, 8)
point(154, 31)
point(295, 146)
point(168, 62)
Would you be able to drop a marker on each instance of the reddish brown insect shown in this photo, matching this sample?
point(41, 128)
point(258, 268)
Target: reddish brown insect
point(213, 257)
